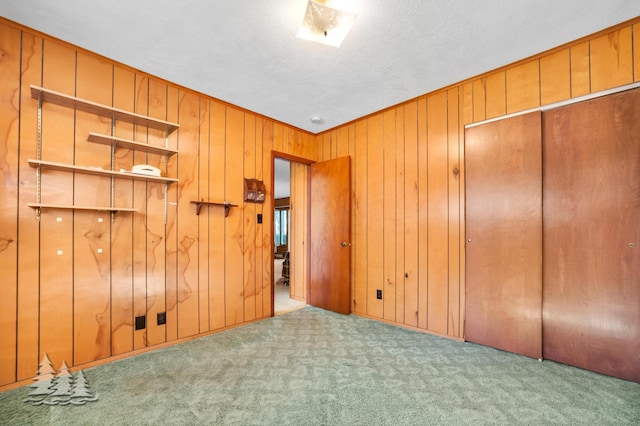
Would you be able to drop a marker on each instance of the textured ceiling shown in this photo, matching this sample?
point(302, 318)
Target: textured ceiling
point(245, 51)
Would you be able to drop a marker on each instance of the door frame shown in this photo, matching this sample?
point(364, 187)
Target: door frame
point(300, 160)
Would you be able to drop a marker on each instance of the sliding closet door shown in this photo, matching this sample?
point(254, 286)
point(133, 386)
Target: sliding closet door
point(592, 235)
point(504, 234)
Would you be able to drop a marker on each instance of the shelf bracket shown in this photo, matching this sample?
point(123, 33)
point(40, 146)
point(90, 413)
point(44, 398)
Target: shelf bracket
point(227, 206)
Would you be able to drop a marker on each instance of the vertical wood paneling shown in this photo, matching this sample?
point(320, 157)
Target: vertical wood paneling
point(611, 60)
point(298, 226)
point(399, 223)
point(423, 213)
point(28, 257)
point(454, 196)
point(188, 303)
point(267, 218)
point(262, 252)
point(375, 223)
point(555, 77)
point(496, 96)
point(204, 232)
point(479, 100)
point(342, 142)
point(217, 239)
point(234, 299)
point(523, 87)
point(580, 77)
point(636, 52)
point(249, 212)
point(56, 243)
point(122, 226)
point(466, 117)
point(171, 245)
point(389, 199)
point(360, 225)
point(91, 230)
point(437, 206)
point(352, 238)
point(9, 111)
point(411, 214)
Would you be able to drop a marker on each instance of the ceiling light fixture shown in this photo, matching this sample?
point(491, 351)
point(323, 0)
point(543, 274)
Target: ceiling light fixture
point(326, 24)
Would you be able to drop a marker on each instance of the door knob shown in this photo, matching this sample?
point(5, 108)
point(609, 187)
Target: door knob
point(345, 244)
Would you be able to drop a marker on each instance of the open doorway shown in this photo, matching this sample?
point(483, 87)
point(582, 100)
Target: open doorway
point(285, 282)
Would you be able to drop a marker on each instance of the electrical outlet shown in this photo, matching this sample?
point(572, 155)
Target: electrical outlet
point(141, 322)
point(259, 217)
point(379, 294)
point(162, 318)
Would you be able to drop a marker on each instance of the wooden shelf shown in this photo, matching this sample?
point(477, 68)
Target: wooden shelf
point(68, 207)
point(47, 95)
point(126, 143)
point(98, 171)
point(227, 206)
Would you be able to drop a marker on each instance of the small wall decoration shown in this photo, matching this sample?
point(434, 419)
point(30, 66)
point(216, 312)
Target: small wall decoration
point(59, 388)
point(254, 191)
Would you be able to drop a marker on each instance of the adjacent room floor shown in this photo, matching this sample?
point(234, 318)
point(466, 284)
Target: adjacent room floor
point(283, 303)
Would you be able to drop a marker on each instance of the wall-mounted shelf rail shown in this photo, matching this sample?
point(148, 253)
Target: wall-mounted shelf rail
point(47, 95)
point(227, 206)
point(129, 144)
point(70, 207)
point(98, 171)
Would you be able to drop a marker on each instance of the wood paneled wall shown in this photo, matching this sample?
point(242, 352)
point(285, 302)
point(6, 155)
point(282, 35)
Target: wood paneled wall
point(72, 283)
point(408, 175)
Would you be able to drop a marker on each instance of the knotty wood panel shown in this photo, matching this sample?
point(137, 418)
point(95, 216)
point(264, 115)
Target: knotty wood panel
point(591, 210)
point(423, 213)
point(139, 232)
point(249, 212)
point(204, 231)
point(437, 207)
point(171, 245)
point(611, 60)
point(360, 224)
point(523, 87)
point(122, 227)
point(411, 215)
point(496, 96)
point(580, 77)
point(156, 237)
point(9, 104)
point(454, 196)
point(56, 242)
point(555, 77)
point(400, 219)
point(375, 223)
point(91, 230)
point(504, 234)
point(267, 218)
point(217, 238)
point(188, 144)
point(389, 211)
point(262, 252)
point(28, 303)
point(234, 186)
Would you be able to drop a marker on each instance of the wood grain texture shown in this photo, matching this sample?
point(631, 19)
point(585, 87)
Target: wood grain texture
point(410, 302)
point(591, 210)
point(496, 95)
point(298, 218)
point(423, 213)
point(454, 211)
point(523, 87)
point(9, 146)
point(56, 244)
point(262, 252)
point(249, 219)
point(580, 75)
point(555, 77)
point(636, 52)
point(28, 303)
point(504, 234)
point(267, 240)
point(479, 100)
point(400, 216)
point(329, 285)
point(437, 205)
point(375, 223)
point(389, 215)
point(204, 230)
point(611, 60)
point(360, 224)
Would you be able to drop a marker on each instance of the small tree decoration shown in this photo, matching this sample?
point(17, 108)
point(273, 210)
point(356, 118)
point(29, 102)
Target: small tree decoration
point(43, 382)
point(60, 389)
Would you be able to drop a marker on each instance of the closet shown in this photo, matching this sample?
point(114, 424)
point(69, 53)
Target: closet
point(553, 228)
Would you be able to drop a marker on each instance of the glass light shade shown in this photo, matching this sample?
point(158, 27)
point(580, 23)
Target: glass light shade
point(325, 24)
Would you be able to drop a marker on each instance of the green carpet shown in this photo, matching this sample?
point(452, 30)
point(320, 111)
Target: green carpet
point(313, 367)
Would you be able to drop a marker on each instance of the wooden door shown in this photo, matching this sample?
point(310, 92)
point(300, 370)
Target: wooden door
point(592, 235)
point(504, 234)
point(330, 263)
